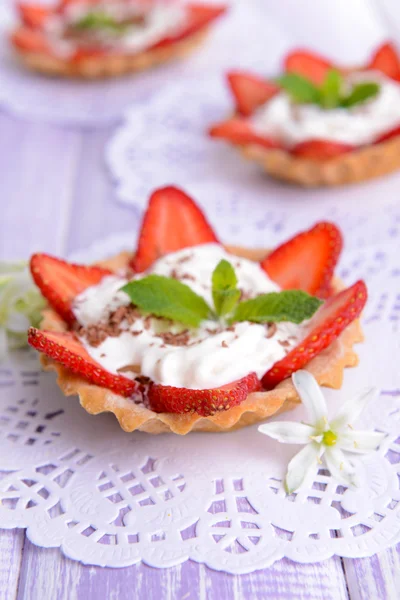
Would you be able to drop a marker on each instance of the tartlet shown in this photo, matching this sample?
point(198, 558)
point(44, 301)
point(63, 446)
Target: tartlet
point(327, 155)
point(173, 227)
point(93, 39)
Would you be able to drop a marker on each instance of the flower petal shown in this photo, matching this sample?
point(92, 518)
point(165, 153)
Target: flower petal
point(288, 432)
point(360, 441)
point(300, 465)
point(340, 467)
point(352, 409)
point(311, 395)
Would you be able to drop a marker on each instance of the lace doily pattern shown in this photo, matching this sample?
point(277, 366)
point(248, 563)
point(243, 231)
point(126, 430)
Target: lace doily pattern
point(97, 103)
point(107, 498)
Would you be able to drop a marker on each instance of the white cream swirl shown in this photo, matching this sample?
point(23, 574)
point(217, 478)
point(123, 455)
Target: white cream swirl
point(362, 124)
point(208, 359)
point(162, 19)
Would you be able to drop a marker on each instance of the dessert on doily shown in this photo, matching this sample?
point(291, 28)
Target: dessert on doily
point(319, 123)
point(100, 38)
point(188, 334)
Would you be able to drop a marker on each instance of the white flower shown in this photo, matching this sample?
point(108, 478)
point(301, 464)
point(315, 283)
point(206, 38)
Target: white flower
point(332, 440)
point(20, 305)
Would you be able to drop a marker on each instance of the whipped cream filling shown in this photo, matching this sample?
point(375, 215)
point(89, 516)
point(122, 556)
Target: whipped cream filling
point(212, 355)
point(162, 19)
point(292, 123)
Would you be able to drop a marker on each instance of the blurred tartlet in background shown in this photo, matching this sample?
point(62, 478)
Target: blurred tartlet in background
point(319, 123)
point(105, 38)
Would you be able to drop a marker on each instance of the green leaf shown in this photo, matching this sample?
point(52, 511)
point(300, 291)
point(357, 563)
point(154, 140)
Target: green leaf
point(166, 297)
point(299, 88)
point(224, 288)
point(290, 305)
point(330, 89)
point(360, 93)
point(99, 20)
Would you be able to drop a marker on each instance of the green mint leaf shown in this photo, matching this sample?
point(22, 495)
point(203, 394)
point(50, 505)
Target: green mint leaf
point(224, 288)
point(299, 88)
point(99, 20)
point(290, 305)
point(330, 89)
point(166, 297)
point(360, 93)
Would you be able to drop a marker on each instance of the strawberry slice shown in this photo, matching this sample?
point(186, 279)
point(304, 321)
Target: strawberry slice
point(30, 40)
point(172, 221)
point(203, 402)
point(326, 325)
point(33, 15)
point(199, 16)
point(66, 349)
point(386, 60)
point(320, 149)
point(60, 281)
point(307, 261)
point(239, 131)
point(250, 91)
point(388, 135)
point(308, 64)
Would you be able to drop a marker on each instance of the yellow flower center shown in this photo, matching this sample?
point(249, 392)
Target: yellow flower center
point(329, 438)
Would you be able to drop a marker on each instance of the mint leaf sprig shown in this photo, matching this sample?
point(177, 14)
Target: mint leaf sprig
point(330, 94)
point(171, 299)
point(99, 20)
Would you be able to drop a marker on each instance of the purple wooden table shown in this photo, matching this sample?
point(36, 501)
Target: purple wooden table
point(57, 197)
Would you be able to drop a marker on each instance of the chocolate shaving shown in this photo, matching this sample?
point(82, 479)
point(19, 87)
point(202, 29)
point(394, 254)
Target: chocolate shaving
point(175, 339)
point(284, 343)
point(185, 258)
point(224, 344)
point(272, 329)
point(96, 334)
point(129, 369)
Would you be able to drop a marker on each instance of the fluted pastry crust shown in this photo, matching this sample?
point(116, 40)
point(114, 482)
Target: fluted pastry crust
point(365, 163)
point(109, 65)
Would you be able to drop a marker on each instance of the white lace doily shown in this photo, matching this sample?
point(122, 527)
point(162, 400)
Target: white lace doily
point(105, 497)
point(34, 96)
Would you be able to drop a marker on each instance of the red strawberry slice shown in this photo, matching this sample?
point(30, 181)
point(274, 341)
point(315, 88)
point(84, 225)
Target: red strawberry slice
point(60, 281)
point(308, 64)
point(388, 135)
point(321, 149)
point(327, 324)
point(172, 221)
point(30, 40)
point(386, 60)
point(239, 131)
point(203, 402)
point(307, 261)
point(33, 15)
point(250, 91)
point(199, 16)
point(66, 349)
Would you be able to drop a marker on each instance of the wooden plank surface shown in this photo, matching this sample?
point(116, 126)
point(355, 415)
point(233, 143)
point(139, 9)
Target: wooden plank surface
point(57, 196)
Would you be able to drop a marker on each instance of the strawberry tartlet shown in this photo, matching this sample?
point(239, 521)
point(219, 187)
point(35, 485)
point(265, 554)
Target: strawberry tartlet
point(187, 334)
point(104, 38)
point(319, 123)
